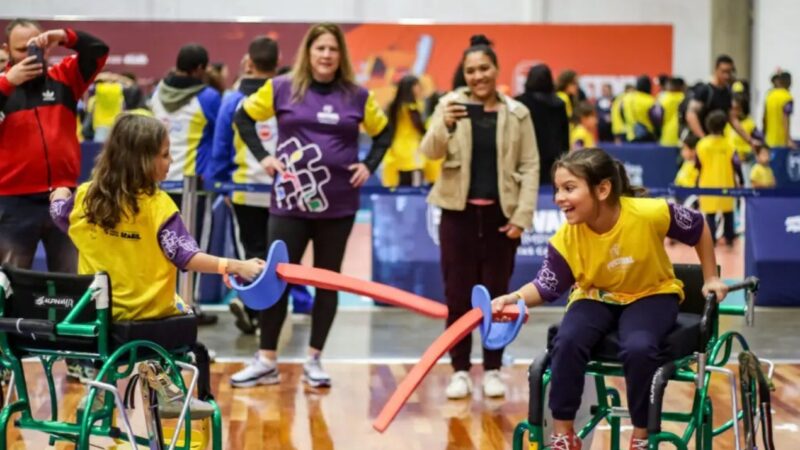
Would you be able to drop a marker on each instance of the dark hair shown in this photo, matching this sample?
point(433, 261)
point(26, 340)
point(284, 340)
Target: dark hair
point(643, 84)
point(540, 79)
point(595, 165)
point(458, 77)
point(283, 69)
point(480, 43)
point(677, 83)
point(723, 59)
point(584, 109)
point(404, 95)
point(716, 121)
point(431, 102)
point(565, 78)
point(744, 102)
point(263, 52)
point(20, 22)
point(663, 79)
point(691, 141)
point(124, 170)
point(191, 57)
point(760, 148)
point(784, 79)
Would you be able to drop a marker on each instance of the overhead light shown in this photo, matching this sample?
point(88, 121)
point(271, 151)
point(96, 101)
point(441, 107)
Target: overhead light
point(69, 17)
point(416, 21)
point(251, 19)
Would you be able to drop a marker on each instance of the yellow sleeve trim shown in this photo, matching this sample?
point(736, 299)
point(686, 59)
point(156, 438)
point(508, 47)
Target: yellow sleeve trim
point(374, 118)
point(259, 105)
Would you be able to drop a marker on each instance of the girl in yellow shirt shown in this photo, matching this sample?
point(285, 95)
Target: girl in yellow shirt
point(610, 253)
point(403, 163)
point(122, 208)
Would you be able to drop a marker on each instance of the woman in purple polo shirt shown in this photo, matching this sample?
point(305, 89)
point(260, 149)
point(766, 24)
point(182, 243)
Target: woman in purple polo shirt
point(319, 109)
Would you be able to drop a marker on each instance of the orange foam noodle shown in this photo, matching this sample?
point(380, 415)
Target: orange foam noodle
point(452, 335)
point(328, 279)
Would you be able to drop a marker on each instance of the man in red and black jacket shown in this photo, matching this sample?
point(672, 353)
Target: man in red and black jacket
point(39, 149)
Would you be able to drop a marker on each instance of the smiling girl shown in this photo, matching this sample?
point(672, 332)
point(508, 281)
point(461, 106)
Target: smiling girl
point(610, 253)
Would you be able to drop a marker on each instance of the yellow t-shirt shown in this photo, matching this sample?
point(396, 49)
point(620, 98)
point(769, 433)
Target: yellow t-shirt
point(626, 263)
point(762, 177)
point(617, 121)
point(687, 175)
point(715, 155)
point(403, 155)
point(636, 111)
point(669, 102)
point(778, 104)
point(109, 102)
point(742, 147)
point(580, 137)
point(143, 280)
point(567, 102)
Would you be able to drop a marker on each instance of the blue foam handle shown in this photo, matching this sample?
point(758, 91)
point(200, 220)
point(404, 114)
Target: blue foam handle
point(496, 335)
point(267, 289)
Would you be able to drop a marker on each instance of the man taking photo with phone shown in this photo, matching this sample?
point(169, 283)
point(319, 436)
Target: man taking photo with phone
point(39, 149)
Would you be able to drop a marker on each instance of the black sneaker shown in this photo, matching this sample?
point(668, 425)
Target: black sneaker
point(243, 320)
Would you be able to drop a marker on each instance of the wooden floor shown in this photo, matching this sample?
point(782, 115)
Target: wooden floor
point(290, 416)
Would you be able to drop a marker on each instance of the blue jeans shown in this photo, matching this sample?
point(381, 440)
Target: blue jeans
point(24, 221)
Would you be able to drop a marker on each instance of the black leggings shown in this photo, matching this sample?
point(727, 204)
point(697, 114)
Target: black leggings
point(329, 237)
point(727, 228)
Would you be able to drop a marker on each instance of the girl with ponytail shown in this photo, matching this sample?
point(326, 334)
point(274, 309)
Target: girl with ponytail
point(610, 256)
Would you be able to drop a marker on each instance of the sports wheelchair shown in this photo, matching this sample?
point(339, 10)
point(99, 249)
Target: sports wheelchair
point(695, 350)
point(53, 316)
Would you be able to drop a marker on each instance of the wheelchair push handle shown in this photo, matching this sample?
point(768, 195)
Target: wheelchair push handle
point(750, 285)
point(498, 330)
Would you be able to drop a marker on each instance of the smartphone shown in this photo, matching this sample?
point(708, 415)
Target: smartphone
point(474, 110)
point(38, 52)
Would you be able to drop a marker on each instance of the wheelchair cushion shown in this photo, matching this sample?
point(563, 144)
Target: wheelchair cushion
point(681, 341)
point(172, 333)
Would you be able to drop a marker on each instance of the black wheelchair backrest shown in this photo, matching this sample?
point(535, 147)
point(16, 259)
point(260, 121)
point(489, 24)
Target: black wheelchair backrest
point(47, 296)
point(692, 277)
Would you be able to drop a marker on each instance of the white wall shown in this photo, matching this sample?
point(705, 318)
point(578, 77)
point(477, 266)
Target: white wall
point(775, 38)
point(691, 18)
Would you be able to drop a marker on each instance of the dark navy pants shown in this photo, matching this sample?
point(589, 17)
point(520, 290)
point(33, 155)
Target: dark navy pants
point(24, 221)
point(642, 327)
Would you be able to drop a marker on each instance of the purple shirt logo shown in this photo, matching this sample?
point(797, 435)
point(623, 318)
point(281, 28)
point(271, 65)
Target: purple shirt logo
point(328, 115)
point(300, 186)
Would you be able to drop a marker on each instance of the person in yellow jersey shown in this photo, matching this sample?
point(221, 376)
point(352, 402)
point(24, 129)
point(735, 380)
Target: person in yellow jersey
point(403, 163)
point(778, 108)
point(567, 89)
point(122, 208)
point(618, 127)
point(610, 253)
point(761, 176)
point(583, 133)
point(668, 102)
point(641, 114)
point(744, 150)
point(688, 173)
point(719, 168)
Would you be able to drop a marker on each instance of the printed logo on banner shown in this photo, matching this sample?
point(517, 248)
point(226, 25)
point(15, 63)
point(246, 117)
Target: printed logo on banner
point(793, 165)
point(635, 174)
point(792, 224)
point(433, 217)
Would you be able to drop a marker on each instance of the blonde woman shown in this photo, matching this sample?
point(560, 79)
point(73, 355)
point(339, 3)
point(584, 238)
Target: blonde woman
point(319, 109)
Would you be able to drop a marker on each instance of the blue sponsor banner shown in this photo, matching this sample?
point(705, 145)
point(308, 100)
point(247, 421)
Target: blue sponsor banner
point(772, 249)
point(406, 255)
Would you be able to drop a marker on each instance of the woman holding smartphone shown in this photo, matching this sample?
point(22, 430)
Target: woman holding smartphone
point(487, 190)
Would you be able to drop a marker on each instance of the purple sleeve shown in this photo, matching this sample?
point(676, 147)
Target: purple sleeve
point(60, 211)
point(685, 225)
point(175, 241)
point(554, 277)
point(656, 115)
point(788, 108)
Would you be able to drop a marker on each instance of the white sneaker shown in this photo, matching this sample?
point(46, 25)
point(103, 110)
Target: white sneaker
point(460, 385)
point(313, 373)
point(493, 385)
point(259, 371)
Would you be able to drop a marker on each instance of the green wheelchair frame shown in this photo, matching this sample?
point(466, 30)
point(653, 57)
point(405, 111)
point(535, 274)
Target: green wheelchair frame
point(713, 353)
point(117, 364)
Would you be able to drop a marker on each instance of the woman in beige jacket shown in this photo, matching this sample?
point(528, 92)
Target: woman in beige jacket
point(487, 191)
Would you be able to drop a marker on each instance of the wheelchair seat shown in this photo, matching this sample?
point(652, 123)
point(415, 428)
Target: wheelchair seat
point(173, 333)
point(683, 340)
